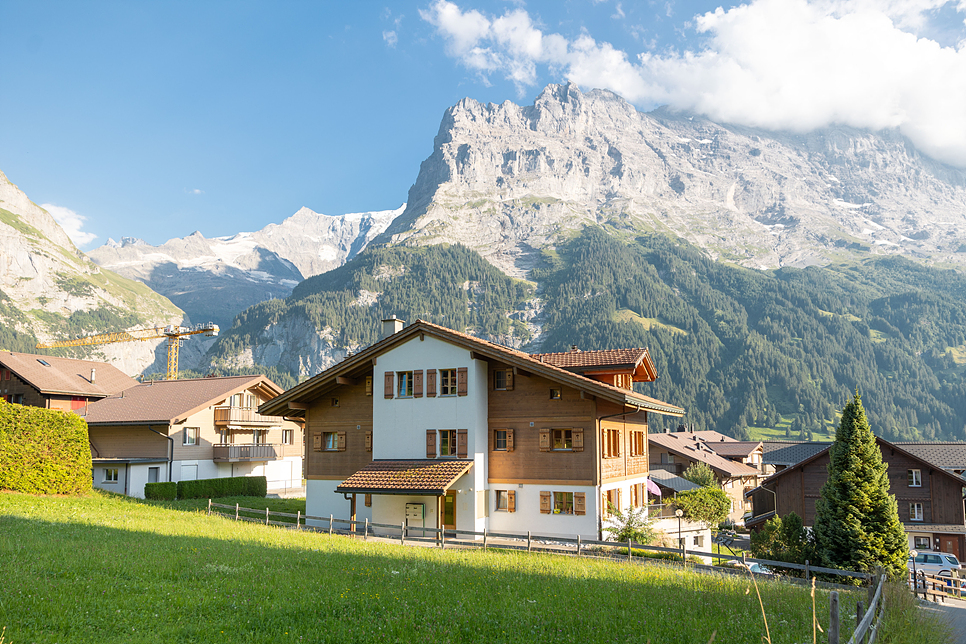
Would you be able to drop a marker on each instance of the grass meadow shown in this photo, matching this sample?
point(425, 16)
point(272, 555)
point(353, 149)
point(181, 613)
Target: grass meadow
point(103, 568)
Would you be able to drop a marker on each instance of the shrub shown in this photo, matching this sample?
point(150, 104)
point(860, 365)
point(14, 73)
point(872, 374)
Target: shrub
point(43, 451)
point(161, 491)
point(233, 486)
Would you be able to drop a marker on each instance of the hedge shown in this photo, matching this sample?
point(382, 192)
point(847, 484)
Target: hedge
point(161, 491)
point(43, 451)
point(214, 488)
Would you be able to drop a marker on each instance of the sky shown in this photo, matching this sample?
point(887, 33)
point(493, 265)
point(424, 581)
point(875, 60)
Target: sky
point(156, 119)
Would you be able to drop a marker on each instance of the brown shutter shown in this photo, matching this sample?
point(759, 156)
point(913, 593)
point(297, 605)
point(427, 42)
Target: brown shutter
point(578, 440)
point(511, 501)
point(390, 383)
point(369, 441)
point(509, 379)
point(430, 443)
point(462, 376)
point(462, 442)
point(546, 503)
point(580, 503)
point(368, 385)
point(341, 446)
point(544, 440)
point(418, 384)
point(509, 440)
point(317, 442)
point(430, 383)
point(619, 505)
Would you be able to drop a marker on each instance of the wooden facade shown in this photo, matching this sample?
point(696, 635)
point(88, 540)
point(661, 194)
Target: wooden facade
point(347, 409)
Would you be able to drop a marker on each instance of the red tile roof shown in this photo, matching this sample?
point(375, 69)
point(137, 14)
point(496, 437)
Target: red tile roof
point(67, 376)
point(684, 444)
point(604, 358)
point(429, 477)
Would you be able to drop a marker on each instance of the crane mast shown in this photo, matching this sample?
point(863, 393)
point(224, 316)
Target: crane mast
point(174, 333)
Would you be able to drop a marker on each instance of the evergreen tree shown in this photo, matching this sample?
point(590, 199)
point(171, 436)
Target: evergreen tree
point(700, 474)
point(856, 519)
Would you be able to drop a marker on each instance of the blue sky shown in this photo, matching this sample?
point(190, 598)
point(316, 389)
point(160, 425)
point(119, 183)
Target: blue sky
point(156, 119)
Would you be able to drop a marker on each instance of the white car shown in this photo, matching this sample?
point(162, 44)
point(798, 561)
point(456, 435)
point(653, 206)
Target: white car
point(934, 563)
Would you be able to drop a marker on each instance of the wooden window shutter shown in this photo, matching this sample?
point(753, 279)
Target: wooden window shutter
point(418, 384)
point(509, 379)
point(390, 383)
point(430, 443)
point(509, 440)
point(578, 440)
point(546, 502)
point(511, 501)
point(316, 442)
point(619, 506)
point(341, 447)
point(580, 503)
point(369, 441)
point(462, 376)
point(462, 442)
point(430, 383)
point(544, 440)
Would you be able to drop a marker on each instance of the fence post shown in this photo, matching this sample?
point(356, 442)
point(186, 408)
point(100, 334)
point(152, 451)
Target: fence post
point(298, 520)
point(266, 516)
point(528, 541)
point(578, 545)
point(209, 507)
point(365, 534)
point(484, 539)
point(442, 538)
point(808, 573)
point(330, 525)
point(628, 549)
point(402, 533)
point(236, 512)
point(859, 614)
point(833, 623)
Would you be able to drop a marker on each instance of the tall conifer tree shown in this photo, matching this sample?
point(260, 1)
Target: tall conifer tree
point(856, 519)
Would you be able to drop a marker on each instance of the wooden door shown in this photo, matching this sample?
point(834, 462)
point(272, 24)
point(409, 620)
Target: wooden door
point(951, 545)
point(449, 511)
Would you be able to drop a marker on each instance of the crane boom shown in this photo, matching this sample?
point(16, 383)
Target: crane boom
point(173, 333)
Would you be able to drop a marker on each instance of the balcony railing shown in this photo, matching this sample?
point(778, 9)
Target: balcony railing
point(228, 453)
point(243, 416)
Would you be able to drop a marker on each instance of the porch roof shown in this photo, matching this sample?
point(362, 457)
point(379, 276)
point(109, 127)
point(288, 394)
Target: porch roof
point(426, 477)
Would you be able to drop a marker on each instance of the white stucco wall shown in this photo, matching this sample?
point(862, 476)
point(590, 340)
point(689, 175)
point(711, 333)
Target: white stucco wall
point(529, 517)
point(321, 500)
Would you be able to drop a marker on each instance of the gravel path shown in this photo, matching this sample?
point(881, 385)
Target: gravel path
point(955, 611)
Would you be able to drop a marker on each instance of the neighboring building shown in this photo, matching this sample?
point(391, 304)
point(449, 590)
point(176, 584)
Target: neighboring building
point(441, 429)
point(57, 383)
point(177, 430)
point(674, 452)
point(930, 498)
point(777, 455)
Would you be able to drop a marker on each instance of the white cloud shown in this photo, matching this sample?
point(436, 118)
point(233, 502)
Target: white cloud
point(194, 191)
point(391, 38)
point(776, 64)
point(71, 222)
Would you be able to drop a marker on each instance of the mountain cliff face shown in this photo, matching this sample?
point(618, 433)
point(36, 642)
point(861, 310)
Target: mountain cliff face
point(214, 279)
point(49, 290)
point(508, 180)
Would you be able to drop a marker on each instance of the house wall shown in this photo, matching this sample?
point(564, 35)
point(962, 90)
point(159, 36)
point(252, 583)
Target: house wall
point(129, 441)
point(321, 500)
point(13, 385)
point(528, 516)
point(353, 415)
point(625, 465)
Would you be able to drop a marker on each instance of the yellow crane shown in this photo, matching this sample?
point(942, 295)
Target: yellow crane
point(173, 333)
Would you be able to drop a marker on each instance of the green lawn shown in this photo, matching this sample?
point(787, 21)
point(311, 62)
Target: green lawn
point(102, 568)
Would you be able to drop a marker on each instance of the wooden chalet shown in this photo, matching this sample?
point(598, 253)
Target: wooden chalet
point(58, 383)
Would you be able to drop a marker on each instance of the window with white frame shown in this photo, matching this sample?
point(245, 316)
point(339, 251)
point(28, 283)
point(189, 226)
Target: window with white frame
point(915, 512)
point(190, 436)
point(921, 543)
point(287, 436)
point(110, 475)
point(915, 478)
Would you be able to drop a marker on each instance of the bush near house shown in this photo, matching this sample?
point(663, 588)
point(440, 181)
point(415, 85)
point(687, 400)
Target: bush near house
point(43, 451)
point(234, 486)
point(161, 491)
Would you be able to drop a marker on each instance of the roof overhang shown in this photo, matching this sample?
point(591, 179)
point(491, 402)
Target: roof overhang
point(428, 477)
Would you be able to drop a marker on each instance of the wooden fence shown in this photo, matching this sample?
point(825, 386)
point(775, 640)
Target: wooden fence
point(867, 618)
point(937, 586)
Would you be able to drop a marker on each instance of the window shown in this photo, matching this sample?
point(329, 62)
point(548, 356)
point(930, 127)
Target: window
point(153, 474)
point(110, 475)
point(612, 443)
point(563, 439)
point(612, 501)
point(915, 478)
point(499, 440)
point(554, 394)
point(667, 459)
point(499, 379)
point(260, 436)
point(447, 442)
point(447, 382)
point(698, 541)
point(921, 543)
point(563, 502)
point(335, 402)
point(330, 441)
point(506, 500)
point(190, 436)
point(915, 512)
point(368, 385)
point(638, 443)
point(222, 436)
point(405, 384)
point(288, 436)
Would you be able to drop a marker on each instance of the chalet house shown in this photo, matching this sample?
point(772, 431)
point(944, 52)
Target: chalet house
point(178, 430)
point(930, 498)
point(57, 383)
point(442, 430)
point(674, 452)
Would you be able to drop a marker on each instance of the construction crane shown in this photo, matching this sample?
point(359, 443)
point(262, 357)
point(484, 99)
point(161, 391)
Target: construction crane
point(172, 332)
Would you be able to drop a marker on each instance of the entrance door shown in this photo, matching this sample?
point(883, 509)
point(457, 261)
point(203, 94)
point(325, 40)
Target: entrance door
point(449, 511)
point(950, 546)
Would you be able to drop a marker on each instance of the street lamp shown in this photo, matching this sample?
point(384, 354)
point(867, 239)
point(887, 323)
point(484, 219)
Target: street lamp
point(915, 579)
point(678, 513)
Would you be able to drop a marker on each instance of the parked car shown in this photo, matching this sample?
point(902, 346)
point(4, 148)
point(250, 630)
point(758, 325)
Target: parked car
point(934, 563)
point(754, 567)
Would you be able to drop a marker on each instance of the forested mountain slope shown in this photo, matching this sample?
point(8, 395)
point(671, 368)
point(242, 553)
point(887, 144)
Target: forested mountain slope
point(734, 346)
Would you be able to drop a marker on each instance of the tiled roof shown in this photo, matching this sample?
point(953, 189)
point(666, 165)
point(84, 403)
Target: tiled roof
point(430, 477)
point(934, 527)
point(604, 358)
point(165, 401)
point(683, 443)
point(67, 376)
point(949, 456)
point(790, 452)
point(734, 449)
point(713, 437)
point(671, 481)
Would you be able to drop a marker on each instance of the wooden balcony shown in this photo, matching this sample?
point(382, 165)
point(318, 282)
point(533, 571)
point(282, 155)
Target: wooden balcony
point(246, 416)
point(262, 452)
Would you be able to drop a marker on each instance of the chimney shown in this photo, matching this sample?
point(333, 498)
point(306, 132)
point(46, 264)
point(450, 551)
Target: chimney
point(574, 348)
point(93, 373)
point(391, 327)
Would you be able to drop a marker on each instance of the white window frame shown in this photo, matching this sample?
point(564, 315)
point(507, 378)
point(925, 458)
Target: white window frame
point(502, 500)
point(190, 436)
point(915, 512)
point(111, 475)
point(922, 543)
point(288, 436)
point(915, 478)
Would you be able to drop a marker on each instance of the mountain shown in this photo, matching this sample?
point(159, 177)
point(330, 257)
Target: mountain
point(50, 290)
point(510, 180)
point(246, 268)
